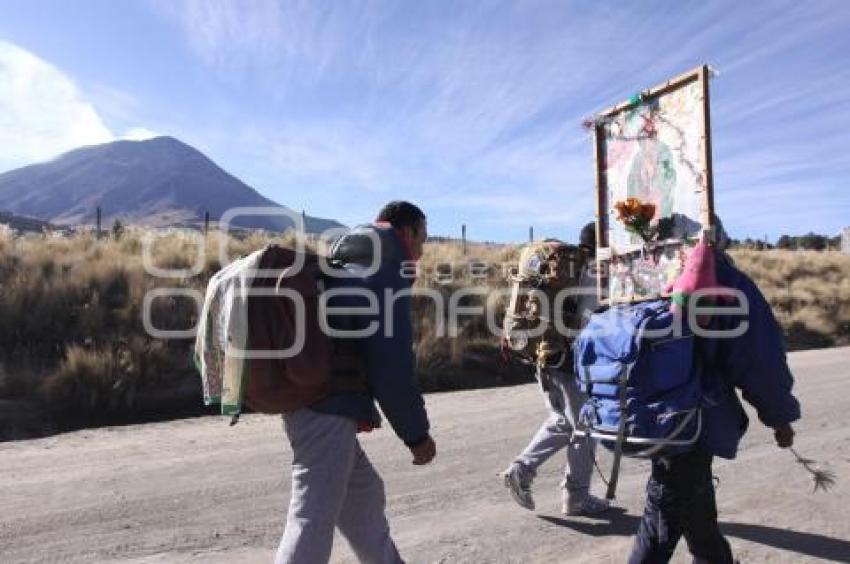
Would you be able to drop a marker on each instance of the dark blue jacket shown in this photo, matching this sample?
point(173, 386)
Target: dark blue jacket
point(754, 363)
point(388, 353)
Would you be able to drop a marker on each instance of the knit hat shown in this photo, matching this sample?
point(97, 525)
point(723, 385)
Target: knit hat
point(587, 237)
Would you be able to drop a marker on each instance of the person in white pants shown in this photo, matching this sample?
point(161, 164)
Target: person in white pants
point(563, 400)
point(333, 485)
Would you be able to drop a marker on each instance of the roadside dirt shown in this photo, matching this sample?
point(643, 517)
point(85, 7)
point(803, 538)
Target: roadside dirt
point(197, 490)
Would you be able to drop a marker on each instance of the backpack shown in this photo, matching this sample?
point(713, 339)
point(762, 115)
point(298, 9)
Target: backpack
point(287, 361)
point(545, 268)
point(642, 376)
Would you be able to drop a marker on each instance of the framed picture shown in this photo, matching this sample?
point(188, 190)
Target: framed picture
point(654, 152)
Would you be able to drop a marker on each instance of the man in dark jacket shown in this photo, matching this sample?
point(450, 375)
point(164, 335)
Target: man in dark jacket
point(333, 482)
point(680, 492)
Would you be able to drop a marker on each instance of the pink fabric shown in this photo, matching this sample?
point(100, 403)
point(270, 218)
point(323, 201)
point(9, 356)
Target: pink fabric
point(698, 274)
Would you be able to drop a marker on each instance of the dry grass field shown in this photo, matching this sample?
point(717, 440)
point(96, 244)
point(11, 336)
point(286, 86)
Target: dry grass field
point(808, 290)
point(72, 341)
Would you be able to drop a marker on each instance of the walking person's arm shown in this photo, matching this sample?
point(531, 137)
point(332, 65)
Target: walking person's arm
point(758, 364)
point(392, 377)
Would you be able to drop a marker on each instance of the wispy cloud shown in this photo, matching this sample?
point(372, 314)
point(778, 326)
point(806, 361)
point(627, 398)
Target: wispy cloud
point(139, 134)
point(41, 110)
point(480, 104)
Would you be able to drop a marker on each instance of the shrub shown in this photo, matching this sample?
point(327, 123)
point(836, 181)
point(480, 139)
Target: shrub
point(72, 332)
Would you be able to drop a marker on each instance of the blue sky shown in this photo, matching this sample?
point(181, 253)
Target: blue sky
point(471, 109)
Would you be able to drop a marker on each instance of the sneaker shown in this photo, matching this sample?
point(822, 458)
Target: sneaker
point(520, 486)
point(587, 506)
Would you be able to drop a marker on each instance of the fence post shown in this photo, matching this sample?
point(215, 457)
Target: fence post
point(206, 223)
point(531, 234)
point(463, 238)
point(98, 221)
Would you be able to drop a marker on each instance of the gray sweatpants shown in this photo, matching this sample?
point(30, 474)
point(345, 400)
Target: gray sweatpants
point(333, 485)
point(563, 400)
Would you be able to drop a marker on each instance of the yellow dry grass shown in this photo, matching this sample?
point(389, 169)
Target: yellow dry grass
point(72, 330)
point(808, 290)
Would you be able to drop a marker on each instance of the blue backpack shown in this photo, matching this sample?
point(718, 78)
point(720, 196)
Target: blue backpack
point(641, 374)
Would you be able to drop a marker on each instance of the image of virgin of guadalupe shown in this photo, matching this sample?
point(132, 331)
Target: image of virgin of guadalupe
point(652, 177)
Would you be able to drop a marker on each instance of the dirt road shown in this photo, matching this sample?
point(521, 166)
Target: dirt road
point(200, 491)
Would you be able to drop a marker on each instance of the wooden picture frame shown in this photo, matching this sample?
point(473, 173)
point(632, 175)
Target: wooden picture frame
point(674, 138)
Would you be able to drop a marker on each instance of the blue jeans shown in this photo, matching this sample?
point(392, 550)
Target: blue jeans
point(680, 502)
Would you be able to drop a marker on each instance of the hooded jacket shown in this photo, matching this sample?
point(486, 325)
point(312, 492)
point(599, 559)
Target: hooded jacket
point(386, 344)
point(754, 363)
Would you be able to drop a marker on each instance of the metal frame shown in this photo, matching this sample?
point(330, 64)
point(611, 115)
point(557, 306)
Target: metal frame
point(656, 444)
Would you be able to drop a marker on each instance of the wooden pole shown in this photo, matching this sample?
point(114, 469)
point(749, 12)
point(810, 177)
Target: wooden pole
point(531, 234)
point(463, 238)
point(671, 84)
point(206, 222)
point(599, 166)
point(98, 221)
point(708, 185)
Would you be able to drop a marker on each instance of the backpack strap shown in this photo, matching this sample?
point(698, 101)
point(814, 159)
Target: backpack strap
point(621, 436)
point(621, 429)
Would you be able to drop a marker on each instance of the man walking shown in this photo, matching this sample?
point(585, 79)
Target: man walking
point(563, 401)
point(680, 500)
point(334, 485)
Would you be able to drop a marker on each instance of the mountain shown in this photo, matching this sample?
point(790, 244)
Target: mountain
point(27, 224)
point(157, 182)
